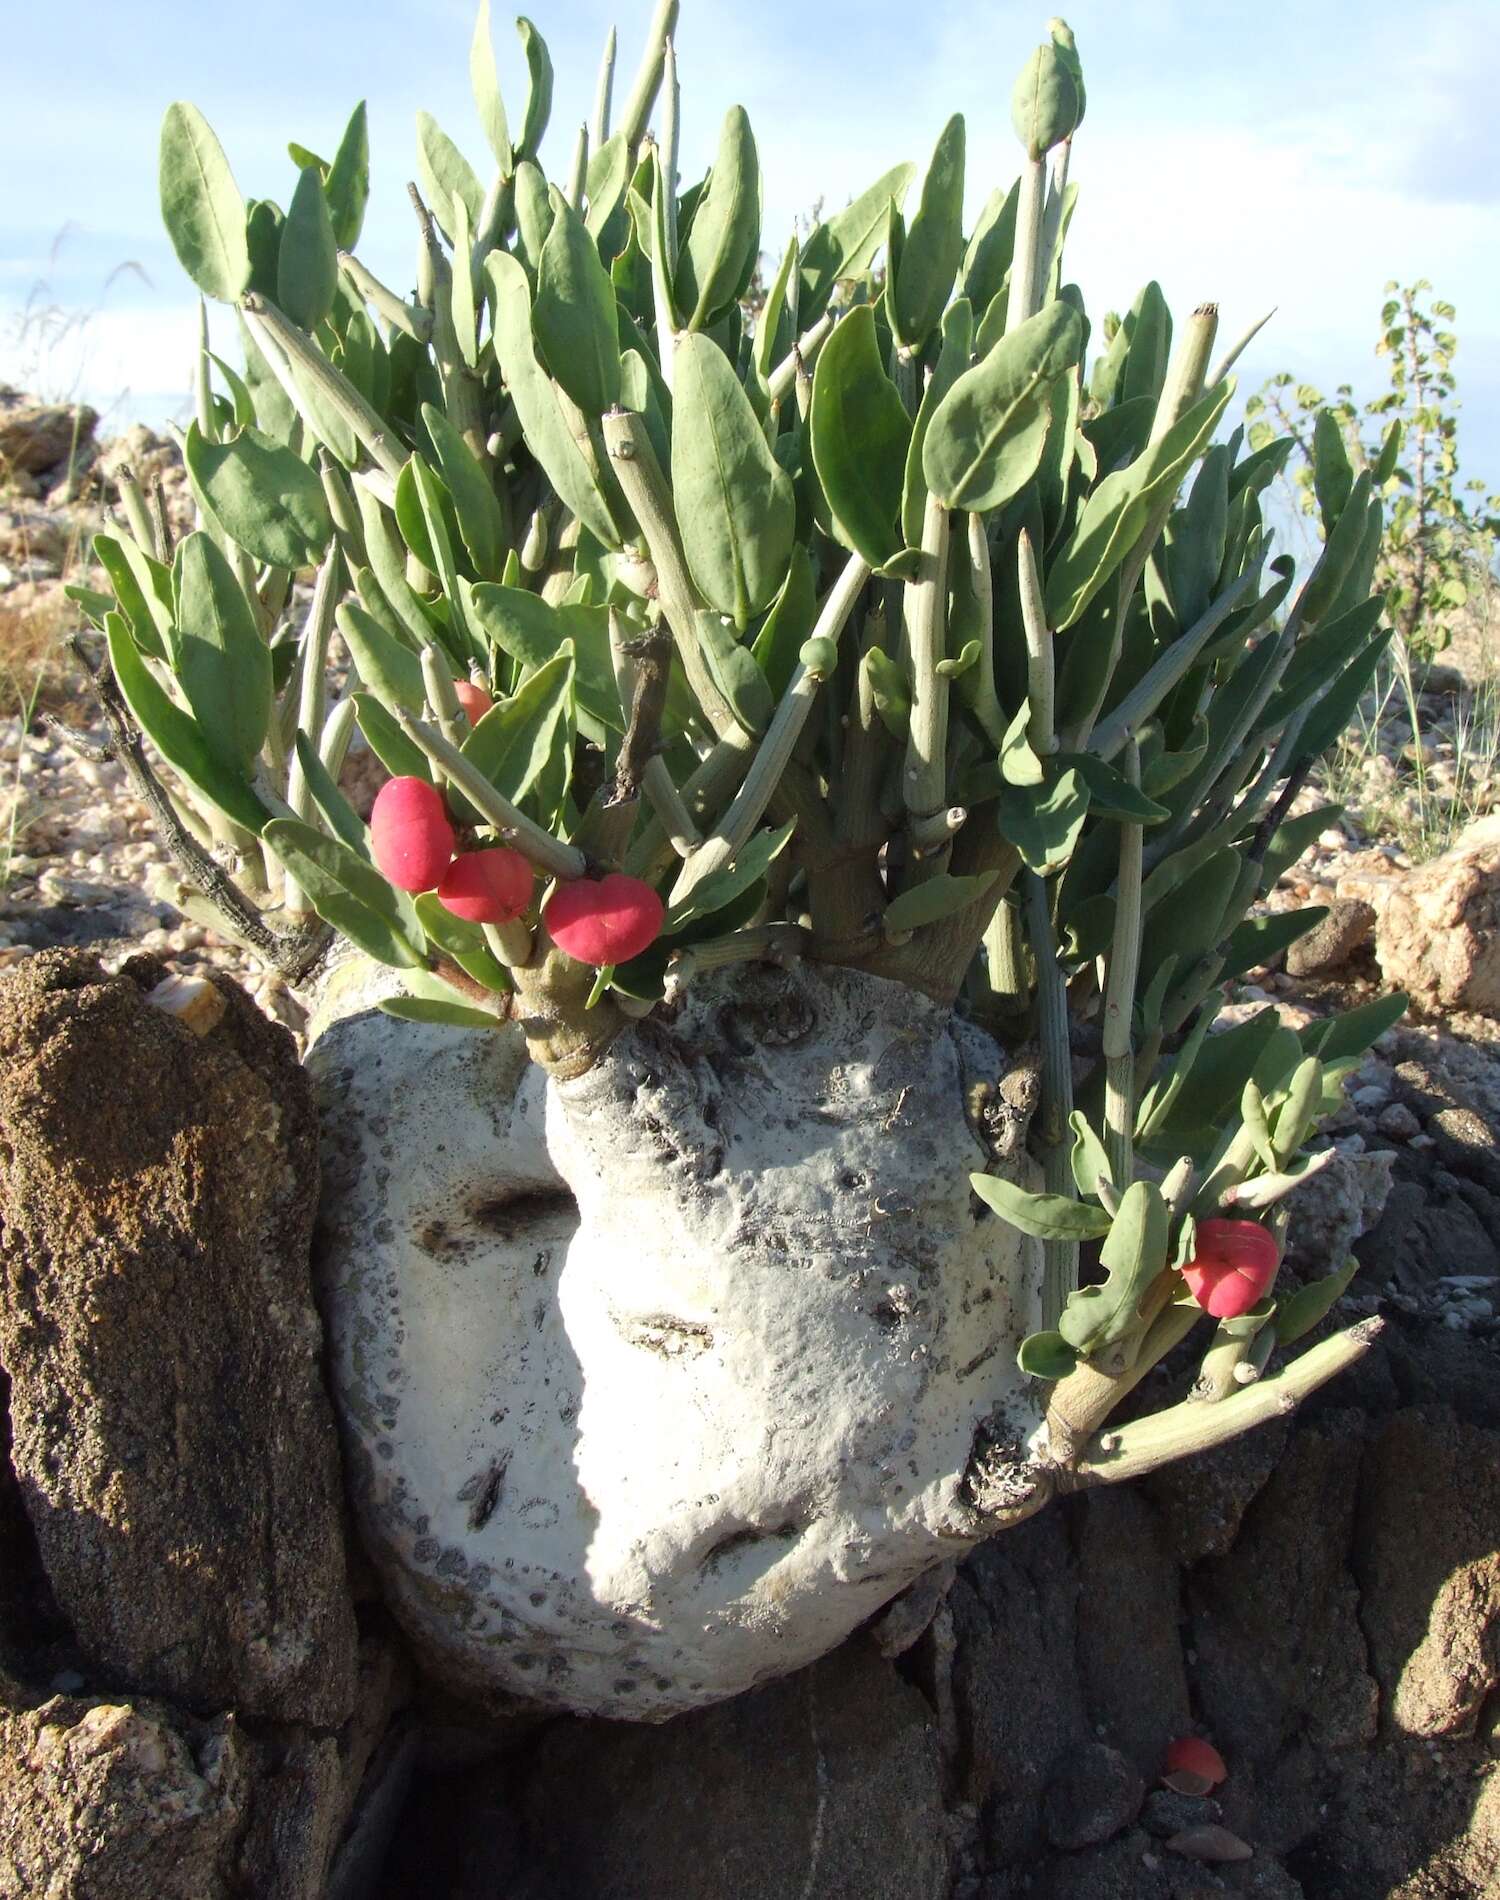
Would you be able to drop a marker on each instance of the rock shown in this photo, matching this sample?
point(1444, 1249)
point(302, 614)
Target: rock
point(1329, 945)
point(1339, 1203)
point(1276, 1622)
point(1210, 1843)
point(1094, 1793)
point(31, 535)
point(35, 436)
point(1397, 1123)
point(1438, 936)
point(1430, 1603)
point(1166, 1813)
point(828, 1783)
point(173, 1442)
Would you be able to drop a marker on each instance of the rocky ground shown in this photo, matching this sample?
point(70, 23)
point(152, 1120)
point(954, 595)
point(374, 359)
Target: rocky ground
point(1350, 1677)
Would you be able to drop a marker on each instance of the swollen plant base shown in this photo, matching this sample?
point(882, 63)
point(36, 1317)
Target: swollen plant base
point(657, 1383)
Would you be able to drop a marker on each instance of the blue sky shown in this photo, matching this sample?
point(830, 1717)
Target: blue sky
point(1288, 152)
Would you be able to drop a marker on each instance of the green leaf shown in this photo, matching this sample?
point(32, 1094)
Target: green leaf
point(400, 756)
point(1258, 939)
point(177, 736)
point(734, 501)
point(1337, 1037)
point(987, 261)
point(921, 282)
point(715, 892)
point(343, 820)
point(201, 205)
point(548, 435)
point(538, 107)
point(1044, 1216)
point(1117, 512)
point(736, 674)
point(1111, 795)
point(533, 631)
point(1333, 477)
point(953, 361)
point(1297, 1313)
point(445, 174)
point(485, 81)
point(844, 245)
point(462, 941)
point(1213, 1083)
point(143, 587)
point(307, 269)
point(986, 438)
point(1335, 709)
point(938, 897)
point(1133, 1254)
point(222, 662)
point(1292, 838)
point(480, 521)
point(349, 893)
point(860, 437)
point(574, 318)
point(1090, 1161)
point(787, 625)
point(1045, 105)
point(391, 671)
point(263, 497)
point(1046, 1356)
point(446, 1010)
point(348, 182)
point(1043, 822)
point(725, 233)
point(524, 744)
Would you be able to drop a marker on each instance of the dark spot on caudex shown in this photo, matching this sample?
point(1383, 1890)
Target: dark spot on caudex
point(510, 1215)
point(483, 1493)
point(885, 1316)
point(743, 1539)
point(666, 1334)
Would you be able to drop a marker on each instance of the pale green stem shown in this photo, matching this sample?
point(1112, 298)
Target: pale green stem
point(511, 943)
point(650, 501)
point(766, 943)
point(1060, 1273)
point(1005, 958)
point(203, 400)
point(799, 358)
point(924, 603)
point(280, 339)
point(1040, 677)
point(669, 151)
point(985, 702)
point(648, 78)
point(774, 753)
point(132, 501)
point(1232, 355)
point(604, 93)
point(1025, 276)
point(1119, 995)
point(400, 315)
point(579, 177)
point(1146, 1444)
point(442, 696)
point(1057, 192)
point(548, 853)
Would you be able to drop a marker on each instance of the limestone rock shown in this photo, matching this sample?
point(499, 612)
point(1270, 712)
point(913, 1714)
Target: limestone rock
point(1439, 936)
point(172, 1440)
point(35, 436)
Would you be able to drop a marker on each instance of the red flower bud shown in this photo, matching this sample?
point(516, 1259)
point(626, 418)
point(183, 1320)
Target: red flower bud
point(487, 887)
point(1193, 1766)
point(1233, 1267)
point(475, 701)
point(411, 837)
point(608, 921)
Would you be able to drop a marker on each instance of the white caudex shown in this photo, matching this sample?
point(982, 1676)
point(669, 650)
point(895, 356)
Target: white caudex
point(659, 1382)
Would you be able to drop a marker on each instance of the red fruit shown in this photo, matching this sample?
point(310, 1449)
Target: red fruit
point(608, 921)
point(1193, 1766)
point(487, 887)
point(411, 837)
point(1233, 1267)
point(475, 701)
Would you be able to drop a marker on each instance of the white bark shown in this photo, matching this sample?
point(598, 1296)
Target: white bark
point(658, 1383)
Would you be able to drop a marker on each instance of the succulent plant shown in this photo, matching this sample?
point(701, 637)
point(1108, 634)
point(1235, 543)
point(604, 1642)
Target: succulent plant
point(919, 628)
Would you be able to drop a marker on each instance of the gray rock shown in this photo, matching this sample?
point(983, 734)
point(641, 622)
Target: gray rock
point(1166, 1812)
point(1350, 923)
point(36, 436)
point(1094, 1793)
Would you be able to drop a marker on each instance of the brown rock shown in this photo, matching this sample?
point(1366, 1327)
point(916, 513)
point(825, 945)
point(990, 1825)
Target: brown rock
point(1430, 1571)
point(1439, 936)
point(35, 436)
point(172, 1440)
point(1329, 945)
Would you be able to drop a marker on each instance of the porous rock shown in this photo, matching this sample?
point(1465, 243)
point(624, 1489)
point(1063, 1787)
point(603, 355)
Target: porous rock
point(35, 436)
point(1439, 936)
point(1329, 945)
point(172, 1441)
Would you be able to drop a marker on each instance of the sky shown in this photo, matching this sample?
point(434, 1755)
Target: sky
point(1287, 153)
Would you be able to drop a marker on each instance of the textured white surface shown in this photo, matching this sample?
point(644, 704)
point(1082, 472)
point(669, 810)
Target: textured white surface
point(658, 1383)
